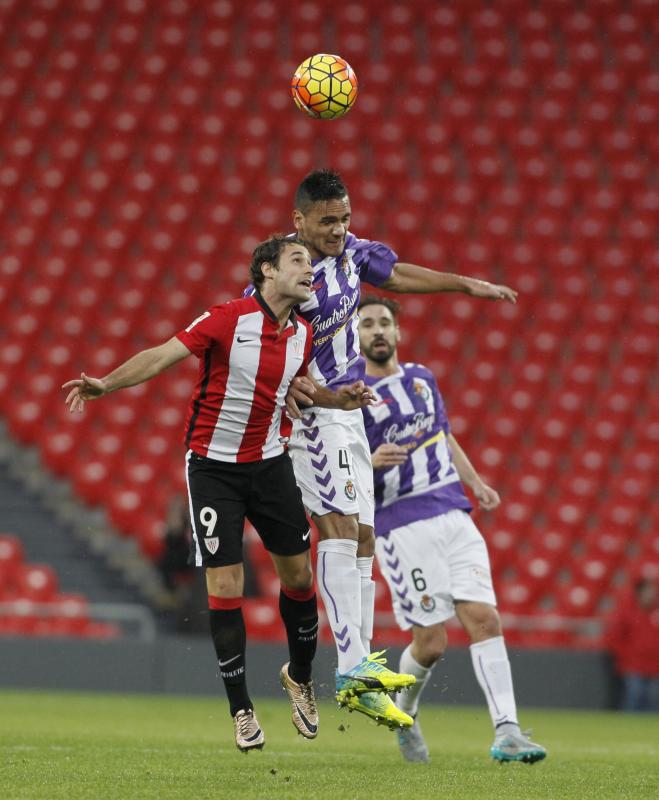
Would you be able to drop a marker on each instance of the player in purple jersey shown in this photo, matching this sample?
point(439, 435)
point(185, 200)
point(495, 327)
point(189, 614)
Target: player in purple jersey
point(432, 555)
point(330, 450)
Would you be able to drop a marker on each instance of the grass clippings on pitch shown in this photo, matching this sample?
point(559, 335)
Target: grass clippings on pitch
point(122, 747)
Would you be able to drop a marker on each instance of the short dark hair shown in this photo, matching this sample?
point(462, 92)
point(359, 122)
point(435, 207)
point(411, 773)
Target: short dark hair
point(387, 302)
point(321, 184)
point(269, 252)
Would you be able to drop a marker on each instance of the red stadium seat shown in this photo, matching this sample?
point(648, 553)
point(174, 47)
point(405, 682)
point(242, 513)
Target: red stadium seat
point(514, 83)
point(37, 583)
point(515, 596)
point(577, 600)
point(583, 175)
point(11, 563)
point(445, 49)
point(505, 141)
point(538, 55)
point(561, 84)
point(586, 57)
point(503, 543)
point(578, 26)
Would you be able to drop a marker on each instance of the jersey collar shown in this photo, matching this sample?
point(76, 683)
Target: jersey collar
point(268, 311)
point(377, 382)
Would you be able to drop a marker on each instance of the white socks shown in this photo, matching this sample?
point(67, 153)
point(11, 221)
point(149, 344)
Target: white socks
point(339, 584)
point(408, 699)
point(492, 668)
point(365, 567)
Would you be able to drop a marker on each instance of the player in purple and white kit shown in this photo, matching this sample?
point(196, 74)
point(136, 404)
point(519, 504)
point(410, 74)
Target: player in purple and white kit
point(431, 554)
point(330, 452)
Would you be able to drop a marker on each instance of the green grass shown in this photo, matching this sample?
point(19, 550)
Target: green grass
point(132, 746)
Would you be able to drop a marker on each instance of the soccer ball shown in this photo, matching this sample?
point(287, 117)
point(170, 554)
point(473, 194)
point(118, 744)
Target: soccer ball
point(324, 86)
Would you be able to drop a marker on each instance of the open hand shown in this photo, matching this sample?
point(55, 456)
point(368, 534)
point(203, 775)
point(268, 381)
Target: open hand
point(492, 291)
point(82, 389)
point(356, 395)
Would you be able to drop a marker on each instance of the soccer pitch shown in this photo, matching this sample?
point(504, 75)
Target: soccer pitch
point(134, 746)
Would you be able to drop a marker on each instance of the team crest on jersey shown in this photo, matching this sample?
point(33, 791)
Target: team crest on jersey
point(297, 347)
point(351, 492)
point(212, 544)
point(421, 389)
point(428, 603)
point(346, 266)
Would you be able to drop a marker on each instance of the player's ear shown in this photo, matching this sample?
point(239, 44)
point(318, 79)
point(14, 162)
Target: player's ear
point(267, 269)
point(397, 333)
point(297, 219)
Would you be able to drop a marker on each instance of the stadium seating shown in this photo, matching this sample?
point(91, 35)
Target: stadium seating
point(32, 605)
point(145, 148)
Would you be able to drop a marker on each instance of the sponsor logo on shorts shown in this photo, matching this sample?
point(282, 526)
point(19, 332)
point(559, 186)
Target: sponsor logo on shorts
point(351, 492)
point(428, 603)
point(212, 544)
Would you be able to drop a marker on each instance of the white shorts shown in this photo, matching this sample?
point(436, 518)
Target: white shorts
point(332, 463)
point(430, 564)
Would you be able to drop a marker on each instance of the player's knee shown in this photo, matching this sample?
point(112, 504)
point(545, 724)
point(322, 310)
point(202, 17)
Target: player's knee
point(223, 584)
point(303, 579)
point(434, 650)
point(297, 578)
point(429, 644)
point(482, 621)
point(491, 623)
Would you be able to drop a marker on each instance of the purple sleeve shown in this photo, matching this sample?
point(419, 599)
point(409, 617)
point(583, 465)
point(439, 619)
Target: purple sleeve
point(440, 406)
point(377, 261)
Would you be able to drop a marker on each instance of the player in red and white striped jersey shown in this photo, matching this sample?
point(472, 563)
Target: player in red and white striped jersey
point(246, 364)
point(237, 465)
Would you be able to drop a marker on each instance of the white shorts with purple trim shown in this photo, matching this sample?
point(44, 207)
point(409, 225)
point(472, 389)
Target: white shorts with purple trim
point(430, 564)
point(332, 463)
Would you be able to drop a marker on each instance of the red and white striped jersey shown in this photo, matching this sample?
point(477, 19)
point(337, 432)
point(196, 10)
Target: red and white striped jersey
point(245, 368)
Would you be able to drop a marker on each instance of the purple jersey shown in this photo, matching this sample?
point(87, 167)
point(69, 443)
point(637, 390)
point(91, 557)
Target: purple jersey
point(410, 412)
point(332, 308)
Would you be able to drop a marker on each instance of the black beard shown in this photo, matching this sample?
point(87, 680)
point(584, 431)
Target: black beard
point(380, 356)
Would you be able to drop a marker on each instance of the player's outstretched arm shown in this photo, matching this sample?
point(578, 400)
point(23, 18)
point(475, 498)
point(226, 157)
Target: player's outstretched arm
point(347, 398)
point(488, 498)
point(412, 279)
point(139, 368)
point(304, 391)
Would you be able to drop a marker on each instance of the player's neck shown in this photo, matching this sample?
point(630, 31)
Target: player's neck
point(280, 306)
point(376, 370)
